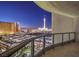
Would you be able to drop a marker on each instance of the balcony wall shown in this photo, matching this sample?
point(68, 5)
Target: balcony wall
point(76, 21)
point(62, 23)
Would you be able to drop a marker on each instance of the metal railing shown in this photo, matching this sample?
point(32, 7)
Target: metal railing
point(36, 46)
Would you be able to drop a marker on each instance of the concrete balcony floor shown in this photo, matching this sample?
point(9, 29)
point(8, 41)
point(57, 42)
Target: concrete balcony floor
point(67, 50)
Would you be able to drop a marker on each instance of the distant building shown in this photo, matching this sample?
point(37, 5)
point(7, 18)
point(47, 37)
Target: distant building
point(9, 28)
point(30, 30)
point(44, 29)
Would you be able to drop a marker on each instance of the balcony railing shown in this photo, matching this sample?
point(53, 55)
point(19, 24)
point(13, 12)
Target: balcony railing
point(39, 44)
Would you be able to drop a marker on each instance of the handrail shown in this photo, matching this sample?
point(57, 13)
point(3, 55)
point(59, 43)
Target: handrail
point(25, 42)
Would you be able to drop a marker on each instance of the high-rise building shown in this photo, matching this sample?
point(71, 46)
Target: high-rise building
point(9, 28)
point(44, 26)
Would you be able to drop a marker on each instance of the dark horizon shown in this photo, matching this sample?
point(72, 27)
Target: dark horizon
point(25, 12)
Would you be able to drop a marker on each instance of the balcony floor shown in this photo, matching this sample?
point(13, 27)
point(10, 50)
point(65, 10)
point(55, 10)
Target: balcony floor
point(68, 50)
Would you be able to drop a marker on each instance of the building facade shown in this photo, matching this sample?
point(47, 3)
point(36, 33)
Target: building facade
point(9, 28)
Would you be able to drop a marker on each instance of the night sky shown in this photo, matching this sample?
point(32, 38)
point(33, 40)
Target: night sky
point(27, 13)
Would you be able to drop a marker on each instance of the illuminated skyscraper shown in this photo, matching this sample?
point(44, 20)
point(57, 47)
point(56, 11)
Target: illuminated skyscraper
point(44, 26)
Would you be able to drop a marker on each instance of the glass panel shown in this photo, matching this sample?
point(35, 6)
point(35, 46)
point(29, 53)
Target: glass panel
point(48, 40)
point(57, 38)
point(23, 52)
point(72, 36)
point(66, 37)
point(38, 43)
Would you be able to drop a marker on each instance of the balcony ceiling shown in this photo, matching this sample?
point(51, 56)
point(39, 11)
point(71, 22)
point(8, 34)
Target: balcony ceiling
point(68, 8)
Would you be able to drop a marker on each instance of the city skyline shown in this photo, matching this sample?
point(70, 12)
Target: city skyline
point(27, 13)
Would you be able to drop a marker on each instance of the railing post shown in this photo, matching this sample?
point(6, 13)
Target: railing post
point(74, 36)
point(43, 44)
point(53, 41)
point(32, 48)
point(69, 37)
point(62, 39)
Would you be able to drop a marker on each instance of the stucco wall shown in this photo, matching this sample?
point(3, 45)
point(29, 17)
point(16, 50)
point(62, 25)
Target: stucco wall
point(62, 23)
point(76, 21)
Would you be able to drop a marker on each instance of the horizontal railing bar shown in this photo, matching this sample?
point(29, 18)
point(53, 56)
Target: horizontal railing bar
point(64, 33)
point(48, 33)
